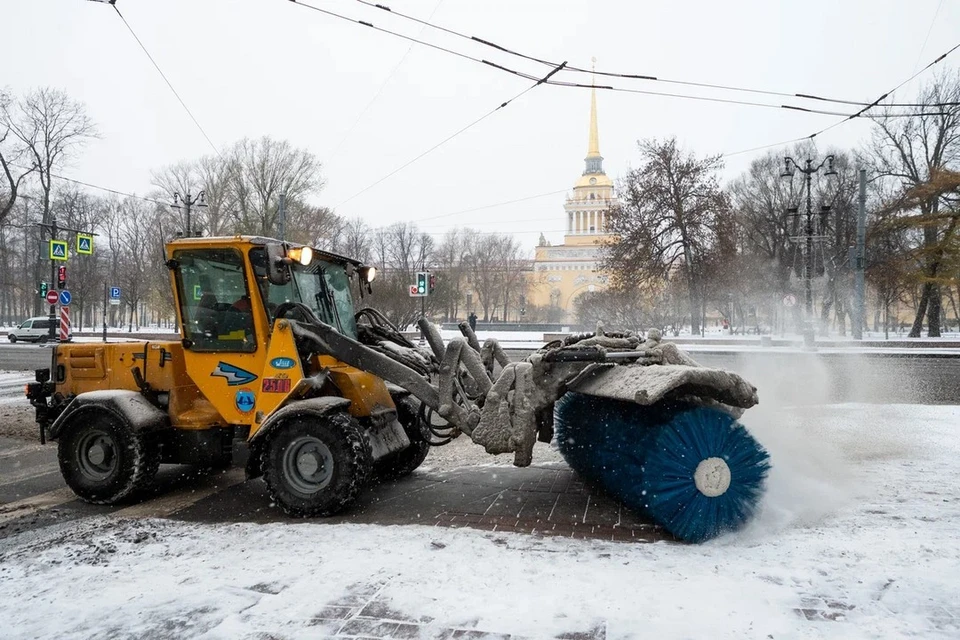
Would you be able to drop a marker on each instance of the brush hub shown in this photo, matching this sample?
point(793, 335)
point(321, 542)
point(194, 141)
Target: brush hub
point(712, 477)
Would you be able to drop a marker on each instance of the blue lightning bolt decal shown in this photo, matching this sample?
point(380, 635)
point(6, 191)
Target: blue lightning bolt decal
point(235, 376)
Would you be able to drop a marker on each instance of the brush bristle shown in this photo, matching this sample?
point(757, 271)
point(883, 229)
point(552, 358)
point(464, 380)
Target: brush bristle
point(647, 456)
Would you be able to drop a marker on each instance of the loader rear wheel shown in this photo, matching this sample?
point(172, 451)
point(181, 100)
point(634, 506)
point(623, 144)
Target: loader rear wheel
point(406, 462)
point(316, 466)
point(103, 460)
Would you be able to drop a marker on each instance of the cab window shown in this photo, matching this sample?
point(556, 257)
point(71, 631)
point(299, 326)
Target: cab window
point(215, 306)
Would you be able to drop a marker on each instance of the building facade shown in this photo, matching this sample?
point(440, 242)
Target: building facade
point(561, 273)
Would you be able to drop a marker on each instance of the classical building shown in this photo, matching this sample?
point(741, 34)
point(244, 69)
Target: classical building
point(563, 272)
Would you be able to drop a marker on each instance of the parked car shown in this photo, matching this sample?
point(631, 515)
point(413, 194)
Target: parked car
point(36, 330)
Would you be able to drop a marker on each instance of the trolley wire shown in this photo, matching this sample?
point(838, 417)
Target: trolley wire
point(629, 76)
point(862, 111)
point(453, 135)
point(376, 96)
point(167, 80)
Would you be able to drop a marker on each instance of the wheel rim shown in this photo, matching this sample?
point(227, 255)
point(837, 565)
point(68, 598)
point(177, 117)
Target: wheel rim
point(97, 455)
point(307, 464)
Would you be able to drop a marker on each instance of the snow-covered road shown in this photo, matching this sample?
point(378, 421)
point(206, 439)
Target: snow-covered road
point(859, 538)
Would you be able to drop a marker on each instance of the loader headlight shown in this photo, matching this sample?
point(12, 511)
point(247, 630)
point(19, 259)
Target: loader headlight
point(303, 255)
point(368, 274)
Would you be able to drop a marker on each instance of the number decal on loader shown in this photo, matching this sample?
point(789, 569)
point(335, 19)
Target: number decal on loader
point(276, 385)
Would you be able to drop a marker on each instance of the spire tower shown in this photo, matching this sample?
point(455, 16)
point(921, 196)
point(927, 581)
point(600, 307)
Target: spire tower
point(594, 160)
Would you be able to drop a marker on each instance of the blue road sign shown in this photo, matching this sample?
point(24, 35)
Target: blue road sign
point(115, 293)
point(65, 298)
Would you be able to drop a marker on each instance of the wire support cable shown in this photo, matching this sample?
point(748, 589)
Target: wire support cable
point(452, 136)
point(628, 76)
point(862, 111)
point(167, 80)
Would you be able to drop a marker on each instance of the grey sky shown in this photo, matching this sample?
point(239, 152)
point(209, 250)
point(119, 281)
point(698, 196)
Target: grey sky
point(269, 67)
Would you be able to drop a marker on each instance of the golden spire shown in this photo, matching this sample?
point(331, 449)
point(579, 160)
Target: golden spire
point(593, 147)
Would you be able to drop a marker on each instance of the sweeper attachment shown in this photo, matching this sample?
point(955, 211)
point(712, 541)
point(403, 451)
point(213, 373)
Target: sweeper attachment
point(641, 420)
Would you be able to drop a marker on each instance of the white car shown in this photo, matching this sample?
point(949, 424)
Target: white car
point(36, 330)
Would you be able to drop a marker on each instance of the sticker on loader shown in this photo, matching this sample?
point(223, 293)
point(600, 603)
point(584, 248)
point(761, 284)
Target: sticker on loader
point(283, 363)
point(245, 400)
point(235, 376)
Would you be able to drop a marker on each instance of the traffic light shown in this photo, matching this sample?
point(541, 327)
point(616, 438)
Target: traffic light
point(433, 282)
point(61, 277)
point(43, 289)
point(422, 283)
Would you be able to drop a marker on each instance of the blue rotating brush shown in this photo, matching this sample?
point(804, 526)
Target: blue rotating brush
point(694, 470)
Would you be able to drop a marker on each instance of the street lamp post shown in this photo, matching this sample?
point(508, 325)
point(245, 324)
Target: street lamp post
point(789, 168)
point(188, 203)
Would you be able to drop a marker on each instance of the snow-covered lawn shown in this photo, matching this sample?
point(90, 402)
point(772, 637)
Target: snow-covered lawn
point(859, 537)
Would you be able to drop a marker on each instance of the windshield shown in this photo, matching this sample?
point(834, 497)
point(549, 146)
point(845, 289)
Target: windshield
point(322, 286)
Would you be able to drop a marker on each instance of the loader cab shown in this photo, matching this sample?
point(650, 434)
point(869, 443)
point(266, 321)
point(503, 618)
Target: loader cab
point(229, 293)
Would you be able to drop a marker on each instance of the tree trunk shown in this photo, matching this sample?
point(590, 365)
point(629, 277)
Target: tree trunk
point(917, 327)
point(933, 312)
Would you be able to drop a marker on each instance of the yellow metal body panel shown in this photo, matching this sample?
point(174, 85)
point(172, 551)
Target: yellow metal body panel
point(281, 374)
point(367, 393)
point(94, 366)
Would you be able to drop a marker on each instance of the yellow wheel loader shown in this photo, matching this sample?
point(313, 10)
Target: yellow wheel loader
point(275, 370)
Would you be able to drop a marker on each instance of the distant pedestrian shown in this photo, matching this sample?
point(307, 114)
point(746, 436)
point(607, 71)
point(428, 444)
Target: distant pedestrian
point(472, 319)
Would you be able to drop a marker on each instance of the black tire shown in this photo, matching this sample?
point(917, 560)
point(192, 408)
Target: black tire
point(316, 466)
point(402, 464)
point(42, 339)
point(12, 338)
point(103, 460)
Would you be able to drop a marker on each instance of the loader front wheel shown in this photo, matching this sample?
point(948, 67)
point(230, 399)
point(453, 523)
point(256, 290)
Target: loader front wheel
point(103, 460)
point(316, 465)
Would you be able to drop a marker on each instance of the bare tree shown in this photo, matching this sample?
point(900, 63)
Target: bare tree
point(12, 151)
point(51, 126)
point(265, 168)
point(665, 220)
point(911, 152)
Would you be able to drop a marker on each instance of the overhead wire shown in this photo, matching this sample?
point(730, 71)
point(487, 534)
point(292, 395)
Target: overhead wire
point(576, 84)
point(453, 135)
point(99, 188)
point(862, 111)
point(631, 76)
point(167, 80)
point(923, 47)
point(383, 85)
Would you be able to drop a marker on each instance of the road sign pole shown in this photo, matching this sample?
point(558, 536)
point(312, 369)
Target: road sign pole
point(53, 278)
point(104, 311)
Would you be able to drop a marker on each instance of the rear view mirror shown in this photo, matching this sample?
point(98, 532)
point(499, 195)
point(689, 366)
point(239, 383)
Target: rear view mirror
point(277, 270)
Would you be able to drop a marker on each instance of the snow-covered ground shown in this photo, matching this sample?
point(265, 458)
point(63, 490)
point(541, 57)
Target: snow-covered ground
point(859, 537)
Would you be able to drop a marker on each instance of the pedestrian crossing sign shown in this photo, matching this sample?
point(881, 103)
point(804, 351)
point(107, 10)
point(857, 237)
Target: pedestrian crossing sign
point(84, 244)
point(58, 249)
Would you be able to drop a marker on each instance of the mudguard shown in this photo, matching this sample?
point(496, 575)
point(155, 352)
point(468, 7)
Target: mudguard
point(128, 406)
point(312, 406)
